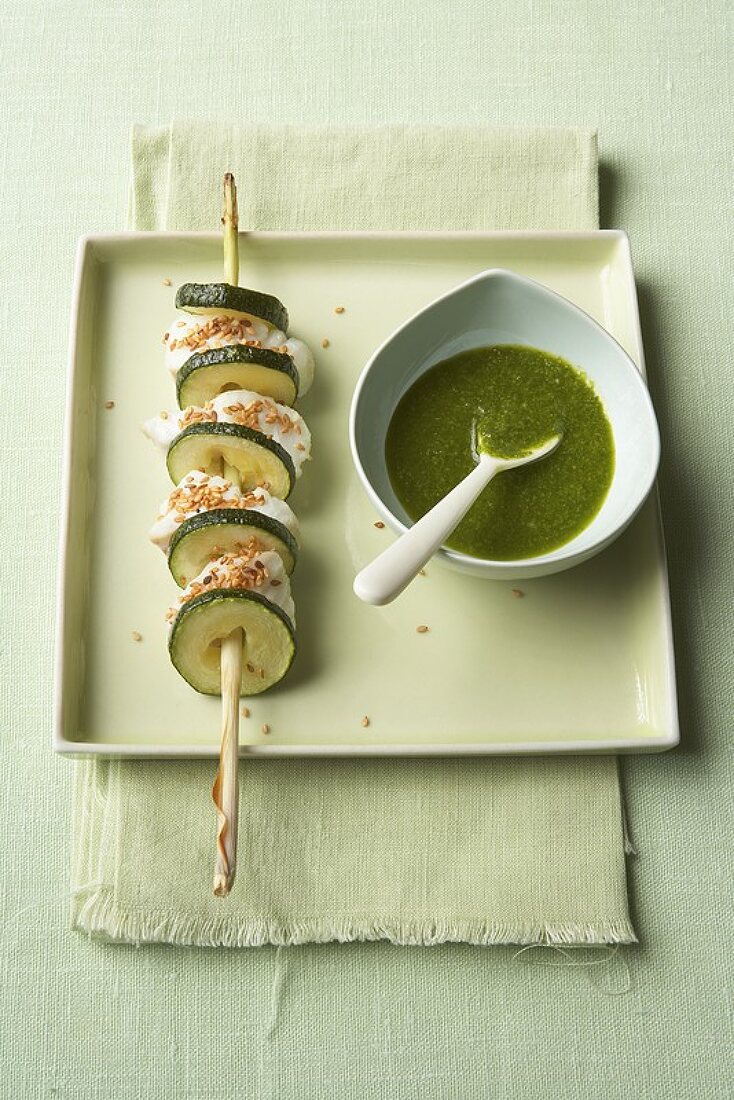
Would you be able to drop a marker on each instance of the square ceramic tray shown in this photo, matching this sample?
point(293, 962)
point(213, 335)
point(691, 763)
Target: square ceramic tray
point(582, 662)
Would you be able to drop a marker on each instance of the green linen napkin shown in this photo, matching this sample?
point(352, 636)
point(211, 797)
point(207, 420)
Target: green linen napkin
point(486, 850)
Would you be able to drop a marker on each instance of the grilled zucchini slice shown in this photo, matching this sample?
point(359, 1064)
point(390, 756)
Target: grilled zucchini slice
point(237, 367)
point(237, 300)
point(195, 641)
point(209, 534)
point(258, 458)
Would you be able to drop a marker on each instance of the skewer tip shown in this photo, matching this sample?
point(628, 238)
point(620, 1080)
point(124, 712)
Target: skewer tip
point(222, 885)
point(230, 200)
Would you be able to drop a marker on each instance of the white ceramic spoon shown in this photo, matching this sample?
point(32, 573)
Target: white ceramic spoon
point(386, 577)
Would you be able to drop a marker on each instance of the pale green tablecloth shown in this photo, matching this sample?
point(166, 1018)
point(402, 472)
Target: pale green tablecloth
point(368, 849)
point(374, 1021)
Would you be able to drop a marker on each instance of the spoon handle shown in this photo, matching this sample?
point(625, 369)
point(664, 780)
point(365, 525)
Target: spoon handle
point(386, 577)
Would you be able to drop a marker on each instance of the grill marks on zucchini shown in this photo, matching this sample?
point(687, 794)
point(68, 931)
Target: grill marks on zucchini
point(220, 531)
point(225, 298)
point(194, 643)
point(258, 458)
point(238, 367)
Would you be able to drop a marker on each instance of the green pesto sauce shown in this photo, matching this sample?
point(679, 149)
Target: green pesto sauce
point(505, 400)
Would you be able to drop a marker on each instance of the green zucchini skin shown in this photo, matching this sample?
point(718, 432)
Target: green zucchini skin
point(208, 373)
point(258, 458)
point(213, 297)
point(270, 639)
point(191, 545)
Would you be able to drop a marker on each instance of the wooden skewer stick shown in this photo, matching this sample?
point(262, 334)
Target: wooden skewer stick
point(225, 791)
point(230, 221)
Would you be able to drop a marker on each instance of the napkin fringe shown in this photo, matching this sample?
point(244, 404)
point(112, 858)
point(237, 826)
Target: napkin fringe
point(99, 916)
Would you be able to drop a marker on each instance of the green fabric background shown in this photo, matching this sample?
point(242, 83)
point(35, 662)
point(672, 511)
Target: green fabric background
point(84, 1020)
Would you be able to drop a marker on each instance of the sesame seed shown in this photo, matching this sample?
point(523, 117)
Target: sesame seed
point(421, 630)
point(379, 524)
point(365, 721)
point(164, 415)
point(325, 343)
point(109, 404)
point(167, 282)
point(518, 593)
point(250, 667)
point(245, 712)
point(339, 309)
point(137, 636)
point(265, 728)
point(422, 573)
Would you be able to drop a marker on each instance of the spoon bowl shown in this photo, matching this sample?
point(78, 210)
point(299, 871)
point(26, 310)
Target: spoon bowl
point(501, 307)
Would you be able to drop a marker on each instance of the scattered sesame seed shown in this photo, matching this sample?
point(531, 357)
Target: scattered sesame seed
point(137, 637)
point(421, 630)
point(167, 282)
point(365, 721)
point(164, 415)
point(265, 728)
point(109, 404)
point(325, 343)
point(339, 309)
point(422, 573)
point(250, 667)
point(518, 593)
point(245, 712)
point(379, 524)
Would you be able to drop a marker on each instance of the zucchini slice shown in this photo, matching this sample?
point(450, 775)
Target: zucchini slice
point(225, 298)
point(237, 367)
point(194, 644)
point(257, 457)
point(209, 534)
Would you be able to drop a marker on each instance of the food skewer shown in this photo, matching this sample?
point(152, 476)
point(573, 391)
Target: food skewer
point(234, 449)
point(225, 792)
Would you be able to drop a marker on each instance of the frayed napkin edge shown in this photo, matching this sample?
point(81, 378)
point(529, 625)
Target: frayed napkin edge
point(98, 917)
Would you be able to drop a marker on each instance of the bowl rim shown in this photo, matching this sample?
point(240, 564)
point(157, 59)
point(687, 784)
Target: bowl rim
point(568, 552)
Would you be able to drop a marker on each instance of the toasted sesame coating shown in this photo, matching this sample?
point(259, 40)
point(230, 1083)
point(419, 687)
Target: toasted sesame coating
point(239, 569)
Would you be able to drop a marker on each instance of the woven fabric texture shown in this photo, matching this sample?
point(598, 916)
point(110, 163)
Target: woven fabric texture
point(372, 1021)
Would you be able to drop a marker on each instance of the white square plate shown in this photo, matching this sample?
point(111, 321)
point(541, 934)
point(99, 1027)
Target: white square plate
point(582, 662)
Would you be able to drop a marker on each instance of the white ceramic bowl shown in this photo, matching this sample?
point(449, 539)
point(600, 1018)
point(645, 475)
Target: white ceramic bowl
point(500, 307)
